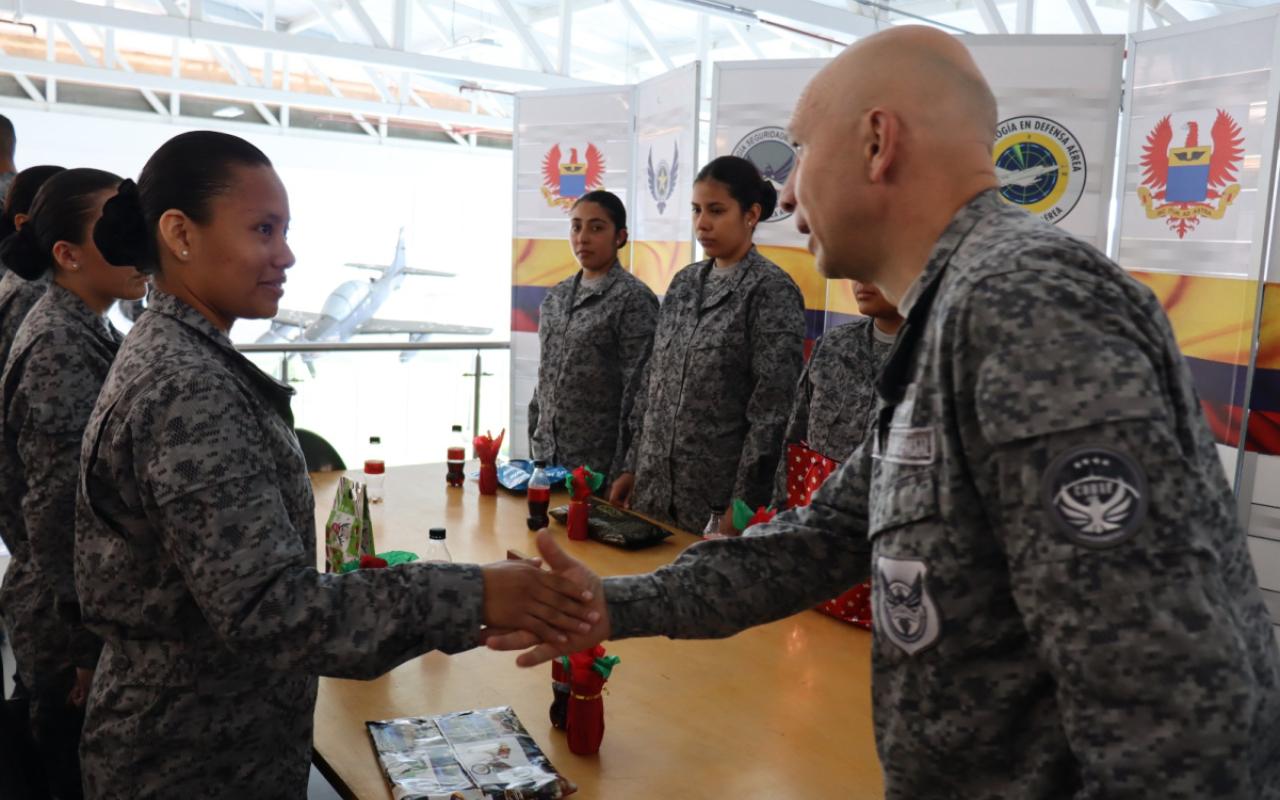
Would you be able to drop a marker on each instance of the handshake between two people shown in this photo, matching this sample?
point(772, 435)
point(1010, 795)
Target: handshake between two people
point(545, 613)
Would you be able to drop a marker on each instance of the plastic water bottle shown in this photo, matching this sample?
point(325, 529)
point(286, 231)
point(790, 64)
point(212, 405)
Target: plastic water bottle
point(713, 525)
point(437, 550)
point(375, 471)
point(457, 458)
point(539, 497)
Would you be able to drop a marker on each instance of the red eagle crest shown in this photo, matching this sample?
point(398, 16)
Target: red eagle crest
point(1224, 156)
point(594, 171)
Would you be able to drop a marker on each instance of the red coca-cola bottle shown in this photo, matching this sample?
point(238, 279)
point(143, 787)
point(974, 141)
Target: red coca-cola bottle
point(457, 458)
point(539, 497)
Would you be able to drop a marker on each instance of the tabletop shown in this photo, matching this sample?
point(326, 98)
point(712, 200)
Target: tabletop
point(778, 711)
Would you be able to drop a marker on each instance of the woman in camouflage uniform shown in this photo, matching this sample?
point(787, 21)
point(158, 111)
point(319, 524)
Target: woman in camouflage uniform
point(18, 295)
point(196, 533)
point(58, 362)
point(726, 357)
point(596, 332)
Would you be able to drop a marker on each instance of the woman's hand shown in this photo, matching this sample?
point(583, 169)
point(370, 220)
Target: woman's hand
point(521, 596)
point(620, 491)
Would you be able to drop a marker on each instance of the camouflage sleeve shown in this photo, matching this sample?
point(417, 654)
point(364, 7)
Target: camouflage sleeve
point(1115, 571)
point(636, 325)
point(797, 428)
point(211, 495)
point(777, 357)
point(534, 411)
point(57, 402)
point(719, 587)
point(635, 425)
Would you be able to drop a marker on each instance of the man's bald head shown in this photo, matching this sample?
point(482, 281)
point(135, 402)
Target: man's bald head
point(894, 136)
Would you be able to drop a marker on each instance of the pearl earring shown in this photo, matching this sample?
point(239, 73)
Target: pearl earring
point(184, 253)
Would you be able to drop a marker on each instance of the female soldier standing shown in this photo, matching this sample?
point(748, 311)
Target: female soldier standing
point(726, 357)
point(596, 331)
point(196, 543)
point(57, 364)
point(18, 295)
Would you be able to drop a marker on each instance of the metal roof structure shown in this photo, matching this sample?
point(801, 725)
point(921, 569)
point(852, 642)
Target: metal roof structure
point(443, 70)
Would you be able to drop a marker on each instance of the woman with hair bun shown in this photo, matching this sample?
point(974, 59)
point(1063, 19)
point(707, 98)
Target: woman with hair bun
point(595, 329)
point(729, 348)
point(196, 535)
point(17, 294)
point(56, 367)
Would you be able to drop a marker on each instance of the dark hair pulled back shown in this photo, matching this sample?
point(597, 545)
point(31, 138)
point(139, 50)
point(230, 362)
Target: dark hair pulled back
point(22, 192)
point(185, 174)
point(610, 202)
point(744, 182)
point(60, 212)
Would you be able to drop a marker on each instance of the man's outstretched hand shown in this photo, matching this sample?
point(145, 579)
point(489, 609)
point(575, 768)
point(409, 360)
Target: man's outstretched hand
point(538, 650)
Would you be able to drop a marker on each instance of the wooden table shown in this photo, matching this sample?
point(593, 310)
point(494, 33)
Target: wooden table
point(779, 711)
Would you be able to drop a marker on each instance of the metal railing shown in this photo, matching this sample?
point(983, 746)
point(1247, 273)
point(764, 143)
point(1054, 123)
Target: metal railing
point(477, 374)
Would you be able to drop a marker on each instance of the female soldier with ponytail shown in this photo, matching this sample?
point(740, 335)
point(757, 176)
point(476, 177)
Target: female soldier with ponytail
point(18, 295)
point(196, 539)
point(58, 361)
point(729, 348)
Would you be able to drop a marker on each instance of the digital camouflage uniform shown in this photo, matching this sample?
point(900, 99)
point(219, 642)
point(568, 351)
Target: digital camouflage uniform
point(196, 563)
point(59, 360)
point(835, 397)
point(1064, 598)
point(595, 341)
point(17, 296)
point(717, 391)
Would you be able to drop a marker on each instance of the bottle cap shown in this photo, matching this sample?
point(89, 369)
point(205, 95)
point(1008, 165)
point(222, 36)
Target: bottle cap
point(436, 534)
point(375, 440)
point(718, 509)
point(539, 464)
point(374, 466)
point(457, 429)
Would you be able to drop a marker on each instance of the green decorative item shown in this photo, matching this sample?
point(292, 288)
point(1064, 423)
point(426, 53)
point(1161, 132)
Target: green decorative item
point(742, 514)
point(604, 665)
point(590, 479)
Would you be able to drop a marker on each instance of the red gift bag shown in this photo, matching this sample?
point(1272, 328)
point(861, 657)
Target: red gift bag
point(806, 471)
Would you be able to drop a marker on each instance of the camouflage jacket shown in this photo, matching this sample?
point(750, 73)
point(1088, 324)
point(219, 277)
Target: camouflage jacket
point(196, 563)
point(59, 360)
point(17, 296)
point(595, 342)
point(835, 397)
point(1065, 604)
point(709, 422)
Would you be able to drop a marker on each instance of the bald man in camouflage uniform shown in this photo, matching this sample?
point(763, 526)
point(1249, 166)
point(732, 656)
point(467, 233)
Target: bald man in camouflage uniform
point(596, 338)
point(59, 360)
point(719, 387)
point(1065, 605)
point(836, 394)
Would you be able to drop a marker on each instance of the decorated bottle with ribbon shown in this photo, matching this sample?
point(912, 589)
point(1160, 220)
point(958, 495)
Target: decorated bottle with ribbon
point(457, 458)
point(713, 524)
point(539, 497)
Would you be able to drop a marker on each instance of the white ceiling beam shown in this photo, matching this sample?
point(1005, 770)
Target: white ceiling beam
point(307, 46)
point(268, 57)
point(333, 90)
point(448, 129)
point(815, 14)
point(78, 46)
point(248, 94)
point(401, 24)
point(1163, 10)
point(1137, 15)
point(566, 36)
point(242, 77)
point(26, 84)
point(525, 34)
point(1026, 16)
point(445, 35)
point(152, 99)
point(743, 34)
point(1084, 16)
point(991, 16)
point(646, 35)
point(356, 9)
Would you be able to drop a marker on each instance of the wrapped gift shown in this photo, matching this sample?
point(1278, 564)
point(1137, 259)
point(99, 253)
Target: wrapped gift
point(487, 449)
point(584, 721)
point(582, 482)
point(807, 470)
point(349, 530)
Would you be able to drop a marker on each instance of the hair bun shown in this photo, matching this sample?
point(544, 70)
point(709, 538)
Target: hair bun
point(21, 252)
point(121, 234)
point(768, 199)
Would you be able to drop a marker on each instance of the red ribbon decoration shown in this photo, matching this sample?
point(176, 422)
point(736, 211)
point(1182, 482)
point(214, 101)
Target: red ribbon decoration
point(487, 451)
